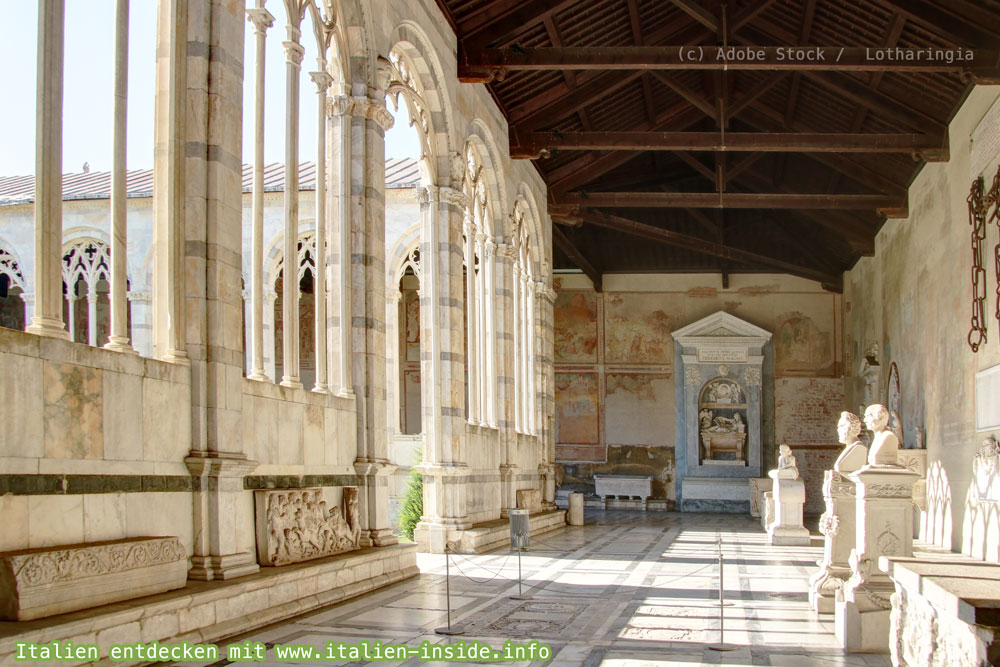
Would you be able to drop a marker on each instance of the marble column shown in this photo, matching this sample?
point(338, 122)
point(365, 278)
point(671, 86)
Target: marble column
point(141, 306)
point(481, 333)
point(445, 472)
point(532, 425)
point(270, 354)
point(522, 389)
point(170, 187)
point(368, 301)
point(471, 345)
point(323, 82)
point(489, 306)
point(884, 497)
point(546, 332)
point(29, 305)
point(518, 344)
point(119, 338)
point(212, 235)
point(47, 319)
point(290, 283)
point(339, 296)
point(92, 314)
point(393, 359)
point(261, 20)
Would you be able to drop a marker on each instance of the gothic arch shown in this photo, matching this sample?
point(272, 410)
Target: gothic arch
point(482, 139)
point(10, 266)
point(398, 256)
point(410, 41)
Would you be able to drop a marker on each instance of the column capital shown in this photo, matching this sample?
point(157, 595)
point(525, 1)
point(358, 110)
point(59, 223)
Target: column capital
point(261, 20)
point(468, 228)
point(293, 52)
point(322, 81)
point(393, 295)
point(480, 238)
point(270, 296)
point(374, 110)
point(27, 297)
point(341, 105)
point(139, 296)
point(490, 247)
point(549, 294)
point(505, 250)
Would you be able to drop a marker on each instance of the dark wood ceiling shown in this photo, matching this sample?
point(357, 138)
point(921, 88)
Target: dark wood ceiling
point(761, 159)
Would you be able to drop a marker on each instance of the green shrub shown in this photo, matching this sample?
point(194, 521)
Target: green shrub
point(413, 504)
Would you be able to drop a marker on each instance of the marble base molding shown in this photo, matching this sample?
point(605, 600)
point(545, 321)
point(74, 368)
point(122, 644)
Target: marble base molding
point(205, 612)
point(35, 583)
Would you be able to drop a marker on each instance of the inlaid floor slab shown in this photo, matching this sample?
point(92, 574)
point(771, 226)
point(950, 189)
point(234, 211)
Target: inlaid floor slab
point(627, 589)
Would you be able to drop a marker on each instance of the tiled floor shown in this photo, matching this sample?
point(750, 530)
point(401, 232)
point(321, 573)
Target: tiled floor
point(627, 589)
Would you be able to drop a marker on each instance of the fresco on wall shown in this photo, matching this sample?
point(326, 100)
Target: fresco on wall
point(637, 329)
point(801, 347)
point(639, 409)
point(577, 419)
point(411, 315)
point(575, 327)
point(657, 462)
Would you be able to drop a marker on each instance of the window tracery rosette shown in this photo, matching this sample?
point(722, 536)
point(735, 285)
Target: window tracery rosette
point(89, 260)
point(404, 81)
point(9, 267)
point(307, 257)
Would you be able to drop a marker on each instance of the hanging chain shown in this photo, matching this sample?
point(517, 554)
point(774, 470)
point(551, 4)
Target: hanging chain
point(980, 202)
point(993, 199)
point(977, 218)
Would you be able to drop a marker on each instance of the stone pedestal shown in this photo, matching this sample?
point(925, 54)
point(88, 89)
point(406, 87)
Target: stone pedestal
point(789, 498)
point(758, 487)
point(839, 526)
point(884, 528)
point(767, 510)
point(575, 516)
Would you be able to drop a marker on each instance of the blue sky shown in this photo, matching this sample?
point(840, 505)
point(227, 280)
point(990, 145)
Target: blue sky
point(89, 81)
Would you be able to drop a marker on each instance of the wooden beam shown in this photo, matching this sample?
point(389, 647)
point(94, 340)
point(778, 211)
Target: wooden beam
point(983, 29)
point(711, 248)
point(696, 100)
point(536, 144)
point(893, 207)
point(589, 167)
point(477, 66)
point(698, 13)
point(575, 256)
point(696, 164)
point(502, 20)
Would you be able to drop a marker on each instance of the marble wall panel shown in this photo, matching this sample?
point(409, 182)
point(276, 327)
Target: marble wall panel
point(104, 517)
point(165, 403)
point(55, 520)
point(122, 417)
point(313, 441)
point(23, 430)
point(14, 510)
point(637, 329)
point(73, 411)
point(576, 327)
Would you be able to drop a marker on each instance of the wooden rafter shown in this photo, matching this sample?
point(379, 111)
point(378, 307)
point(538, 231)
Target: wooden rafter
point(703, 246)
point(536, 144)
point(891, 206)
point(575, 256)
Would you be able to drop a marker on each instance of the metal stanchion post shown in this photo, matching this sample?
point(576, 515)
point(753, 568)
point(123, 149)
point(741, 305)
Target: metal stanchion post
point(447, 588)
point(721, 646)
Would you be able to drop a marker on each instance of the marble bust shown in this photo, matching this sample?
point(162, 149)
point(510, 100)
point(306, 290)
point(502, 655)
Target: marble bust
point(885, 444)
point(855, 454)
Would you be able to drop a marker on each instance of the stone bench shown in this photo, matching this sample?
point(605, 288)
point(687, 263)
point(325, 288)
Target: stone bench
point(944, 612)
point(35, 583)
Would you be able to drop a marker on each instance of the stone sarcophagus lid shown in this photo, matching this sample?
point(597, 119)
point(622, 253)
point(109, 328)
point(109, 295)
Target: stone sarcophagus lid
point(295, 525)
point(35, 583)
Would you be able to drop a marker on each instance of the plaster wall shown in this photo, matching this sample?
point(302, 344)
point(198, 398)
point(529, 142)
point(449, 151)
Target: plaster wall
point(615, 366)
point(914, 299)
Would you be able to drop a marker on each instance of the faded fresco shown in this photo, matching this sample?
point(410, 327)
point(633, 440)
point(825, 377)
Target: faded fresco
point(639, 409)
point(576, 327)
point(577, 420)
point(411, 318)
point(801, 347)
point(637, 329)
point(657, 462)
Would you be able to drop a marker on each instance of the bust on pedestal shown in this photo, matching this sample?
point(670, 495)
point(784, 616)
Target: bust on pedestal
point(789, 498)
point(838, 523)
point(884, 493)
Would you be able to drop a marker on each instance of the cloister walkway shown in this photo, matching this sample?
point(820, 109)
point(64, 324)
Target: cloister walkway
point(628, 588)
